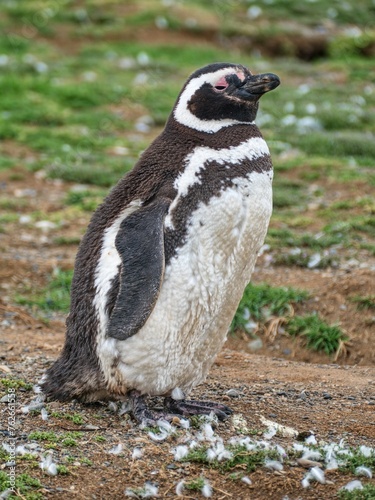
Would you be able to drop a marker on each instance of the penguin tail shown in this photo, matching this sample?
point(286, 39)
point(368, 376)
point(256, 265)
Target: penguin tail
point(64, 382)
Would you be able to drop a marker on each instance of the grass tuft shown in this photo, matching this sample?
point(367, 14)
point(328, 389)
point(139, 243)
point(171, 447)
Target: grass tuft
point(241, 458)
point(13, 383)
point(260, 302)
point(365, 302)
point(367, 493)
point(68, 439)
point(26, 486)
point(76, 418)
point(194, 484)
point(319, 335)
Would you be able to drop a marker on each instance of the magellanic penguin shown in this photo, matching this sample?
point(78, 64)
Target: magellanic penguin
point(166, 257)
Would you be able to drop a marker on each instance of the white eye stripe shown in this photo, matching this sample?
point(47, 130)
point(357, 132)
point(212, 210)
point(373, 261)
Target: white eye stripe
point(183, 115)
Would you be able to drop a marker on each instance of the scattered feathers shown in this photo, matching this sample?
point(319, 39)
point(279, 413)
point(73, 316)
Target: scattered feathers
point(47, 465)
point(44, 414)
point(177, 394)
point(180, 452)
point(180, 488)
point(363, 471)
point(273, 465)
point(116, 450)
point(206, 489)
point(353, 485)
point(137, 453)
point(149, 490)
point(246, 480)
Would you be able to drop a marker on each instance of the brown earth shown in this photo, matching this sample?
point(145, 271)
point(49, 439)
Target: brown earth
point(304, 390)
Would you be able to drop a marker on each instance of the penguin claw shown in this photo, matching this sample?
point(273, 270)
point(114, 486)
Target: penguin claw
point(143, 415)
point(174, 408)
point(187, 408)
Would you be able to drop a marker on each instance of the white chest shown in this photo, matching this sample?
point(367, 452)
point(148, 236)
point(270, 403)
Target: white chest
point(202, 287)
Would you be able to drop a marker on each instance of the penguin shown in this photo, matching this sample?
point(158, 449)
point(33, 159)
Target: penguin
point(166, 257)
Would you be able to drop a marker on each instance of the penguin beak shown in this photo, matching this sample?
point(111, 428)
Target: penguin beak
point(256, 85)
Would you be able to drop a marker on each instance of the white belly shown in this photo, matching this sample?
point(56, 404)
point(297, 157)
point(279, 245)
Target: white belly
point(202, 287)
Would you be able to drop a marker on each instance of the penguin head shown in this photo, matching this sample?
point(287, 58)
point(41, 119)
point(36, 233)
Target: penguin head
point(220, 95)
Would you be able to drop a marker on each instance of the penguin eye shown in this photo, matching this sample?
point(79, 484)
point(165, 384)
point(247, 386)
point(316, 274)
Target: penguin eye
point(221, 85)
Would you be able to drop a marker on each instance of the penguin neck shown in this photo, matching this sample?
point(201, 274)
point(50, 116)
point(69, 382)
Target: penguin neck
point(227, 136)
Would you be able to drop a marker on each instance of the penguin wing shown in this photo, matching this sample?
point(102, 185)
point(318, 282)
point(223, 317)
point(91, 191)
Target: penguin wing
point(140, 244)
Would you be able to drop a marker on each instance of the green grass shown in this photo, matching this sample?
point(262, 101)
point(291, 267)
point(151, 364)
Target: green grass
point(55, 297)
point(76, 418)
point(338, 144)
point(43, 436)
point(260, 302)
point(319, 335)
point(292, 246)
point(194, 484)
point(364, 302)
point(304, 259)
point(322, 240)
point(357, 459)
point(241, 458)
point(86, 200)
point(13, 383)
point(66, 240)
point(68, 439)
point(100, 439)
point(63, 470)
point(288, 194)
point(367, 493)
point(26, 485)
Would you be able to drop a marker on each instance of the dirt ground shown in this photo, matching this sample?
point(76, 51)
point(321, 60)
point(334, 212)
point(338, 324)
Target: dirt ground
point(282, 382)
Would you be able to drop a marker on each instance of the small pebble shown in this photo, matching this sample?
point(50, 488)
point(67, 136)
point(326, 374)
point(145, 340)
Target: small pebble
point(304, 462)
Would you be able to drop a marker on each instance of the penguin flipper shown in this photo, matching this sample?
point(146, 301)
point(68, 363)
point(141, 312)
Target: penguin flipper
point(140, 244)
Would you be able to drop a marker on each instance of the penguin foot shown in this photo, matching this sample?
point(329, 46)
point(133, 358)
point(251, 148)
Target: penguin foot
point(142, 413)
point(187, 408)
